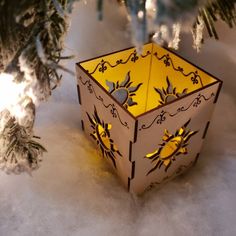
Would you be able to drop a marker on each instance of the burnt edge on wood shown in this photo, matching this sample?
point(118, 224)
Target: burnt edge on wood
point(205, 130)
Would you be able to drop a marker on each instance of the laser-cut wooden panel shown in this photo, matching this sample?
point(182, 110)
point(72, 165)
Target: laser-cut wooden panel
point(147, 114)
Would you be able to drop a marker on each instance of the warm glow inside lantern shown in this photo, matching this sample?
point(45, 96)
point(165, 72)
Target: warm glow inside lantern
point(148, 114)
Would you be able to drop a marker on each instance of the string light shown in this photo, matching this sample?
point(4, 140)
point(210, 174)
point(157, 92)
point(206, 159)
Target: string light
point(140, 15)
point(15, 96)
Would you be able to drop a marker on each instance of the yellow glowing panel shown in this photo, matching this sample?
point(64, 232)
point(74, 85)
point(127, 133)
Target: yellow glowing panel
point(171, 148)
point(103, 137)
point(173, 76)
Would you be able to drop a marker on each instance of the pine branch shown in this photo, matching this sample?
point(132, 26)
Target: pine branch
point(49, 25)
point(172, 13)
point(215, 10)
point(19, 152)
point(31, 42)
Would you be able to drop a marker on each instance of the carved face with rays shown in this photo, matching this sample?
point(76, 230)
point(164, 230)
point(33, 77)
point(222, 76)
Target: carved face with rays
point(101, 134)
point(169, 94)
point(173, 145)
point(123, 92)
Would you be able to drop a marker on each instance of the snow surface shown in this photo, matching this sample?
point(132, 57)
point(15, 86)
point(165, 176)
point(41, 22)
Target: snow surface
point(75, 193)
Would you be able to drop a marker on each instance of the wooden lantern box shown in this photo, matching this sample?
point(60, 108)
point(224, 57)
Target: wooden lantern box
point(148, 114)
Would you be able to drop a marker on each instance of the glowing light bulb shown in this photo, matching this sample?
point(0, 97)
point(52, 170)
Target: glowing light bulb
point(140, 15)
point(13, 95)
point(150, 6)
point(9, 91)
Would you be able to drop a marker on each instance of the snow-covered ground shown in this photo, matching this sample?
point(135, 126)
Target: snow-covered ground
point(75, 193)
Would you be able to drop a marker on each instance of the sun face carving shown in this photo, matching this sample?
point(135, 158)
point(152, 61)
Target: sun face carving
point(169, 94)
point(173, 145)
point(101, 134)
point(122, 92)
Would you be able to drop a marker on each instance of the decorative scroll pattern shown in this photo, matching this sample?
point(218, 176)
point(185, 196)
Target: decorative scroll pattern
point(103, 65)
point(112, 106)
point(179, 171)
point(195, 77)
point(162, 116)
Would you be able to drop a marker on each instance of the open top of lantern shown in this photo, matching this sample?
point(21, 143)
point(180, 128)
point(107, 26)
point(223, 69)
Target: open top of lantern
point(143, 82)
